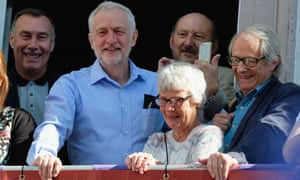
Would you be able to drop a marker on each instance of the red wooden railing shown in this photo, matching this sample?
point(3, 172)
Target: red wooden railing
point(116, 172)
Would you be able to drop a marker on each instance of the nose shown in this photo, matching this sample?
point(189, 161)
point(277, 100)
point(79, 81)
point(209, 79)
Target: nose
point(189, 40)
point(170, 106)
point(112, 37)
point(241, 66)
point(33, 44)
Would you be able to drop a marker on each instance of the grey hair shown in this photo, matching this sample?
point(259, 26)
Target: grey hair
point(270, 44)
point(35, 13)
point(112, 5)
point(179, 76)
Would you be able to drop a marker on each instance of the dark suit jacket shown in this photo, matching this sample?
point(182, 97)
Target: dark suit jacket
point(13, 99)
point(15, 79)
point(265, 127)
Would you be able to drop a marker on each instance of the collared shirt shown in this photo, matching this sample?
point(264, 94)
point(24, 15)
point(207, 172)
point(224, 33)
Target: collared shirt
point(244, 103)
point(102, 121)
point(32, 97)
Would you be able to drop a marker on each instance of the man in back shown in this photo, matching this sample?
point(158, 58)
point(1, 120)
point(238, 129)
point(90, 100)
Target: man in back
point(32, 39)
point(188, 33)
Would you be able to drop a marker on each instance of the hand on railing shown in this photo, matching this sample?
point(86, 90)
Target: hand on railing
point(48, 165)
point(140, 162)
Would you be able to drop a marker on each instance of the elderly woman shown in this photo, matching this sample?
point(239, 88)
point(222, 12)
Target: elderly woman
point(16, 126)
point(182, 90)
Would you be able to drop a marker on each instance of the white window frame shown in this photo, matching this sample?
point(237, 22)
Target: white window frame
point(5, 20)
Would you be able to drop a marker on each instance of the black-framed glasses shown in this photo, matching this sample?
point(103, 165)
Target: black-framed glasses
point(174, 101)
point(248, 61)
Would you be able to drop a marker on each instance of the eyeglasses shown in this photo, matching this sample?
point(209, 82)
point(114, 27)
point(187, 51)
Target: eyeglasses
point(174, 101)
point(248, 61)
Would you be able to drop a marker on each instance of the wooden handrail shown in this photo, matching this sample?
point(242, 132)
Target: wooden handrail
point(175, 172)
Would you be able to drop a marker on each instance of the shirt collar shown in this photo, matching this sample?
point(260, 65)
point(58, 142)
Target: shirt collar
point(253, 92)
point(23, 82)
point(96, 75)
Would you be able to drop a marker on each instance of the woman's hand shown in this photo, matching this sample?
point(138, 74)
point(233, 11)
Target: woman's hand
point(140, 162)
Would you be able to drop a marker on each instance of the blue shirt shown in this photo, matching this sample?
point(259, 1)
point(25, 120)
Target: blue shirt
point(102, 121)
point(32, 97)
point(244, 103)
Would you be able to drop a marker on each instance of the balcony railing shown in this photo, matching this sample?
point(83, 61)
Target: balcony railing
point(172, 172)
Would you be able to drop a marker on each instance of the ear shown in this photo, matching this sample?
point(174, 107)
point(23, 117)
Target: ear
point(52, 45)
point(91, 41)
point(171, 40)
point(11, 40)
point(215, 46)
point(275, 64)
point(134, 37)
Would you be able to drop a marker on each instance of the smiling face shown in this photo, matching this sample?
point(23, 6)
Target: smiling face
point(179, 117)
point(191, 30)
point(32, 44)
point(111, 37)
point(249, 78)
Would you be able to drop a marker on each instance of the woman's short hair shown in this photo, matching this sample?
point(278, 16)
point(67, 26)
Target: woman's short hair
point(179, 76)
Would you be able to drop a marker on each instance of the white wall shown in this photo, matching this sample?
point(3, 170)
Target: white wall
point(297, 47)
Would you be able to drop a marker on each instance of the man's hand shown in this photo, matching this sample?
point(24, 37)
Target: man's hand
point(219, 165)
point(223, 120)
point(48, 165)
point(211, 74)
point(163, 62)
